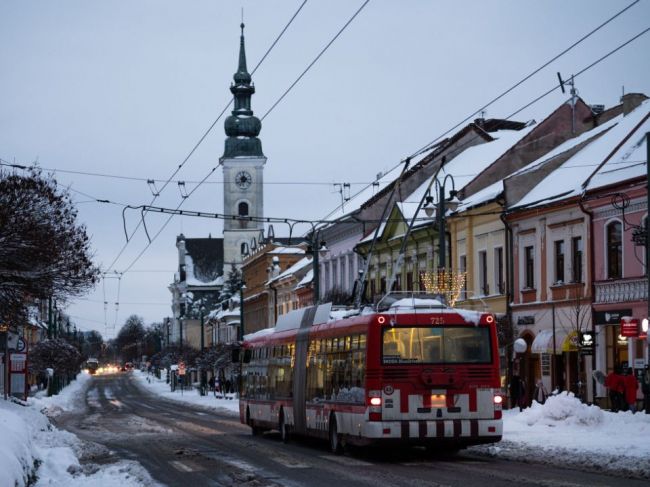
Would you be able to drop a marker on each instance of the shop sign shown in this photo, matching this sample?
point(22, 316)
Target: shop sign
point(630, 327)
point(611, 317)
point(526, 320)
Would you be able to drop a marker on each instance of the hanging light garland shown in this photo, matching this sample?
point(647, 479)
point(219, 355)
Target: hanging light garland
point(444, 283)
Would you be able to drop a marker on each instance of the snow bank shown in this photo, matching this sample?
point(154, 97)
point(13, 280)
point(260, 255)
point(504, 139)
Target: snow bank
point(566, 432)
point(33, 452)
point(228, 404)
point(64, 400)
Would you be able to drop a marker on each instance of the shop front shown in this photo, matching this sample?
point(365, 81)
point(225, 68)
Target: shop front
point(620, 341)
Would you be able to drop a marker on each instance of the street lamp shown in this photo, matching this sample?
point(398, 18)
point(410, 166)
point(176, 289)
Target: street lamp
point(317, 249)
point(242, 288)
point(442, 201)
point(202, 312)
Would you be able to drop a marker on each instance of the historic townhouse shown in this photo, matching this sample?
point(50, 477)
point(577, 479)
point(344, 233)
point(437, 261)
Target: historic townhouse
point(553, 249)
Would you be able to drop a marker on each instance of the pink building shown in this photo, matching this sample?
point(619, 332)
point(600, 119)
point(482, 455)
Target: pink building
point(616, 198)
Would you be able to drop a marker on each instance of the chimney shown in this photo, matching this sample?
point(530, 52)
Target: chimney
point(631, 101)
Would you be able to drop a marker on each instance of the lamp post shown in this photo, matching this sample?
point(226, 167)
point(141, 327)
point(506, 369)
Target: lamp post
point(202, 311)
point(180, 331)
point(242, 288)
point(317, 249)
point(441, 217)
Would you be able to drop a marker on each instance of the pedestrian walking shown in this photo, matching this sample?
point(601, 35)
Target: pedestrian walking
point(631, 386)
point(616, 387)
point(645, 388)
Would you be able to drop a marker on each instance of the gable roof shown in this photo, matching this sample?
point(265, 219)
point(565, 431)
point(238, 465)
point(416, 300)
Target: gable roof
point(598, 163)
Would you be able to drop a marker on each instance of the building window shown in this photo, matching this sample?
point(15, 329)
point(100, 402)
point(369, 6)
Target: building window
point(462, 267)
point(576, 259)
point(529, 267)
point(614, 250)
point(498, 270)
point(409, 281)
point(243, 209)
point(482, 273)
point(559, 260)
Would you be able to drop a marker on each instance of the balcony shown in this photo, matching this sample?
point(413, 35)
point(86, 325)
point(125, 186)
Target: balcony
point(621, 290)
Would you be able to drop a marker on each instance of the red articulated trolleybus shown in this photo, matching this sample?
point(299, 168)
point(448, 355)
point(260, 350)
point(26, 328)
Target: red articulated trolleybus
point(414, 372)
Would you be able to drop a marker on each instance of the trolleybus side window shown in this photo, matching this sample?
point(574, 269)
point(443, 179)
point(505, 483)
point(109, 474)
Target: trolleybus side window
point(436, 345)
point(336, 374)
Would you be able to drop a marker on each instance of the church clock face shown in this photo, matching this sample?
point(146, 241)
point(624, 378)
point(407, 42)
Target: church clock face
point(243, 179)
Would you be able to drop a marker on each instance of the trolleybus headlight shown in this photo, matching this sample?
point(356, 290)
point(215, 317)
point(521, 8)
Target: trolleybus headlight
point(381, 320)
point(489, 319)
point(375, 401)
point(498, 399)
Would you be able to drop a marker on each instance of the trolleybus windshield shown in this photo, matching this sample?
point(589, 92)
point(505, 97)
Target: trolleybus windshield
point(436, 345)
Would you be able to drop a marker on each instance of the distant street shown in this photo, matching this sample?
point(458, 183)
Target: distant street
point(184, 445)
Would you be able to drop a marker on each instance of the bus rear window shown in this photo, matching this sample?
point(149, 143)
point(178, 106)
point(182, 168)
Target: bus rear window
point(436, 345)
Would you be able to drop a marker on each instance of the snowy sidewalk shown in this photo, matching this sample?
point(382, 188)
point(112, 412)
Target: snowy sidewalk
point(565, 432)
point(188, 396)
point(34, 452)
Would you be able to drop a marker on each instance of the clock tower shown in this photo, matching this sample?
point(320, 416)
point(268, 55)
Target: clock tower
point(243, 168)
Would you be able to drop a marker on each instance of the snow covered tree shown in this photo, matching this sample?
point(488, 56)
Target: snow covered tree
point(56, 354)
point(44, 252)
point(233, 283)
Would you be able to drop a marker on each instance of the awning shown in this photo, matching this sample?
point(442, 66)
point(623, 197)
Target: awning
point(570, 343)
point(543, 342)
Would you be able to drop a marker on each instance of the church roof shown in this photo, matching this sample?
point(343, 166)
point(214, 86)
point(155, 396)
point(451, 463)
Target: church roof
point(242, 127)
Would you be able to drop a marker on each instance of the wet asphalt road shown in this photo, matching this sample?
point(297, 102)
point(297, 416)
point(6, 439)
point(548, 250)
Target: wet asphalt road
point(182, 445)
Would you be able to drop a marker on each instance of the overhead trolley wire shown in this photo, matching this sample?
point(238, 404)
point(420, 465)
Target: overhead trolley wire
point(429, 145)
point(527, 77)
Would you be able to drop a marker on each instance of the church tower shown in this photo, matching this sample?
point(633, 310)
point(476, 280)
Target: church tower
point(243, 167)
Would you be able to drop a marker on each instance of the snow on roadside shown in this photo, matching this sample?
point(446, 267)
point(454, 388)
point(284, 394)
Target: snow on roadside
point(33, 452)
point(563, 431)
point(229, 404)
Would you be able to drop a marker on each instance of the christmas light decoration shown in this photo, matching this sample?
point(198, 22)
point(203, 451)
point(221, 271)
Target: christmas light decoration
point(444, 283)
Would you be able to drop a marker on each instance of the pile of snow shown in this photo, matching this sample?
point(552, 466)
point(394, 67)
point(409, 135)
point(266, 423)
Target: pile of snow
point(64, 400)
point(33, 452)
point(565, 432)
point(228, 403)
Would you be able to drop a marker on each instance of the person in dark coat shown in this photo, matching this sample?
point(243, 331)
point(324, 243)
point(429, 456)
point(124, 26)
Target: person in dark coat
point(645, 388)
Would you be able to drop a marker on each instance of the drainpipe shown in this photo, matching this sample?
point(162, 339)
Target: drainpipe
point(590, 216)
point(509, 285)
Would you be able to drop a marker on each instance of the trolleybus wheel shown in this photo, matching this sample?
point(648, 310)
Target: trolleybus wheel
point(335, 441)
point(255, 430)
point(284, 429)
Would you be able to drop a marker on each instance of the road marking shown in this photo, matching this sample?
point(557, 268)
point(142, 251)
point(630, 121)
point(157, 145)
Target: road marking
point(147, 406)
point(181, 466)
point(351, 462)
point(289, 462)
point(201, 414)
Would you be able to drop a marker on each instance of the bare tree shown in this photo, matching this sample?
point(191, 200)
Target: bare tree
point(576, 322)
point(44, 252)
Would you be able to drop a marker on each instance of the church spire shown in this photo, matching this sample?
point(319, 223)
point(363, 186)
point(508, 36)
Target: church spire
point(242, 127)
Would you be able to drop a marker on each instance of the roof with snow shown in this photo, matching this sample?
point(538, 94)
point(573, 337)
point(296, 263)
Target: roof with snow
point(615, 156)
point(204, 261)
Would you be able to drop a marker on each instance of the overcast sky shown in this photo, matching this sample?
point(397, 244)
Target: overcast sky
point(127, 88)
